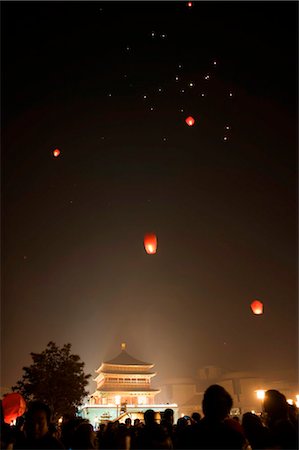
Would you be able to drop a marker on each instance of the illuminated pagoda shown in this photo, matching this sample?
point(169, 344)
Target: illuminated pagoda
point(123, 390)
point(124, 380)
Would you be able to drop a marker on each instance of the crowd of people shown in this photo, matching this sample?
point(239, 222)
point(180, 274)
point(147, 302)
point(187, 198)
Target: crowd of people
point(277, 428)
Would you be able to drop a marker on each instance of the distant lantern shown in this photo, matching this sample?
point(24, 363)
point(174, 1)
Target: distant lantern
point(190, 4)
point(190, 121)
point(257, 307)
point(150, 243)
point(14, 406)
point(56, 152)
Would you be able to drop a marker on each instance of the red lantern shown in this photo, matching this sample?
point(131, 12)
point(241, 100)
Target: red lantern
point(56, 152)
point(257, 307)
point(13, 406)
point(190, 4)
point(190, 121)
point(150, 243)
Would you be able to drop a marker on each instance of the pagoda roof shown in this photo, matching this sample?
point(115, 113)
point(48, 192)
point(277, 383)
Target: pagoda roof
point(118, 373)
point(124, 359)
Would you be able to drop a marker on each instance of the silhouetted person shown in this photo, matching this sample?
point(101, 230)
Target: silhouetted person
point(167, 422)
point(182, 433)
point(37, 434)
point(68, 428)
point(152, 435)
point(256, 433)
point(195, 417)
point(213, 431)
point(283, 431)
point(84, 437)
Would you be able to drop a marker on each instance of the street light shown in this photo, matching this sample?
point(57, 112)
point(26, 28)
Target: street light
point(260, 395)
point(117, 402)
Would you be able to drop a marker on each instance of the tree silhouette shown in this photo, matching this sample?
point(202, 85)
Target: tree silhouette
point(56, 377)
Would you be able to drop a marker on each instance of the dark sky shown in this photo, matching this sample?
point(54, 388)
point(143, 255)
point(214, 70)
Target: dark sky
point(74, 77)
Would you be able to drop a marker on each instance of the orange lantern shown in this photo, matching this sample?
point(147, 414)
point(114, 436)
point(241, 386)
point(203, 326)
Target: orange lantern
point(56, 152)
point(190, 121)
point(150, 243)
point(13, 406)
point(257, 307)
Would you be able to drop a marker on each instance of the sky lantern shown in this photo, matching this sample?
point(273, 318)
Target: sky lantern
point(257, 307)
point(56, 152)
point(14, 406)
point(150, 243)
point(190, 121)
point(190, 4)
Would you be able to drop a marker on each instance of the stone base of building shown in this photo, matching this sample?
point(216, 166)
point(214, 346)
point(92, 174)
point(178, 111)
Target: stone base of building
point(97, 414)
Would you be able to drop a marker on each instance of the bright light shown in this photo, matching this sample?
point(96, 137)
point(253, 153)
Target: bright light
point(260, 394)
point(297, 400)
point(60, 420)
point(142, 400)
point(117, 399)
point(290, 401)
point(253, 411)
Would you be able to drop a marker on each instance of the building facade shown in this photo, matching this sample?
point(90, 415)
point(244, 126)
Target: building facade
point(123, 390)
point(124, 380)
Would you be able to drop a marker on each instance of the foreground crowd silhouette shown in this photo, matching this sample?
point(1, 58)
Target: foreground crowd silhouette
point(277, 428)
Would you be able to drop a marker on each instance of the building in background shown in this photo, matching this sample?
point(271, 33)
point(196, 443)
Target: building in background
point(246, 389)
point(123, 389)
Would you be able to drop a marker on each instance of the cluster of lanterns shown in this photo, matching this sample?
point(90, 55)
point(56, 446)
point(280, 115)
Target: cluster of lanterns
point(150, 240)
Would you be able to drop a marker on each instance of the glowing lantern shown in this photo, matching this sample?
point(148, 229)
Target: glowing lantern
point(190, 121)
point(13, 406)
point(257, 307)
point(150, 243)
point(190, 4)
point(56, 152)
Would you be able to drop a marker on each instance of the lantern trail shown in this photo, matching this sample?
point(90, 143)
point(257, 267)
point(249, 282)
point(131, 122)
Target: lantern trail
point(150, 243)
point(257, 307)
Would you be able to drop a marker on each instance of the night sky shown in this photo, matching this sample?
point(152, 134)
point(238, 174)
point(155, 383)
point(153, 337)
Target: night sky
point(110, 85)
